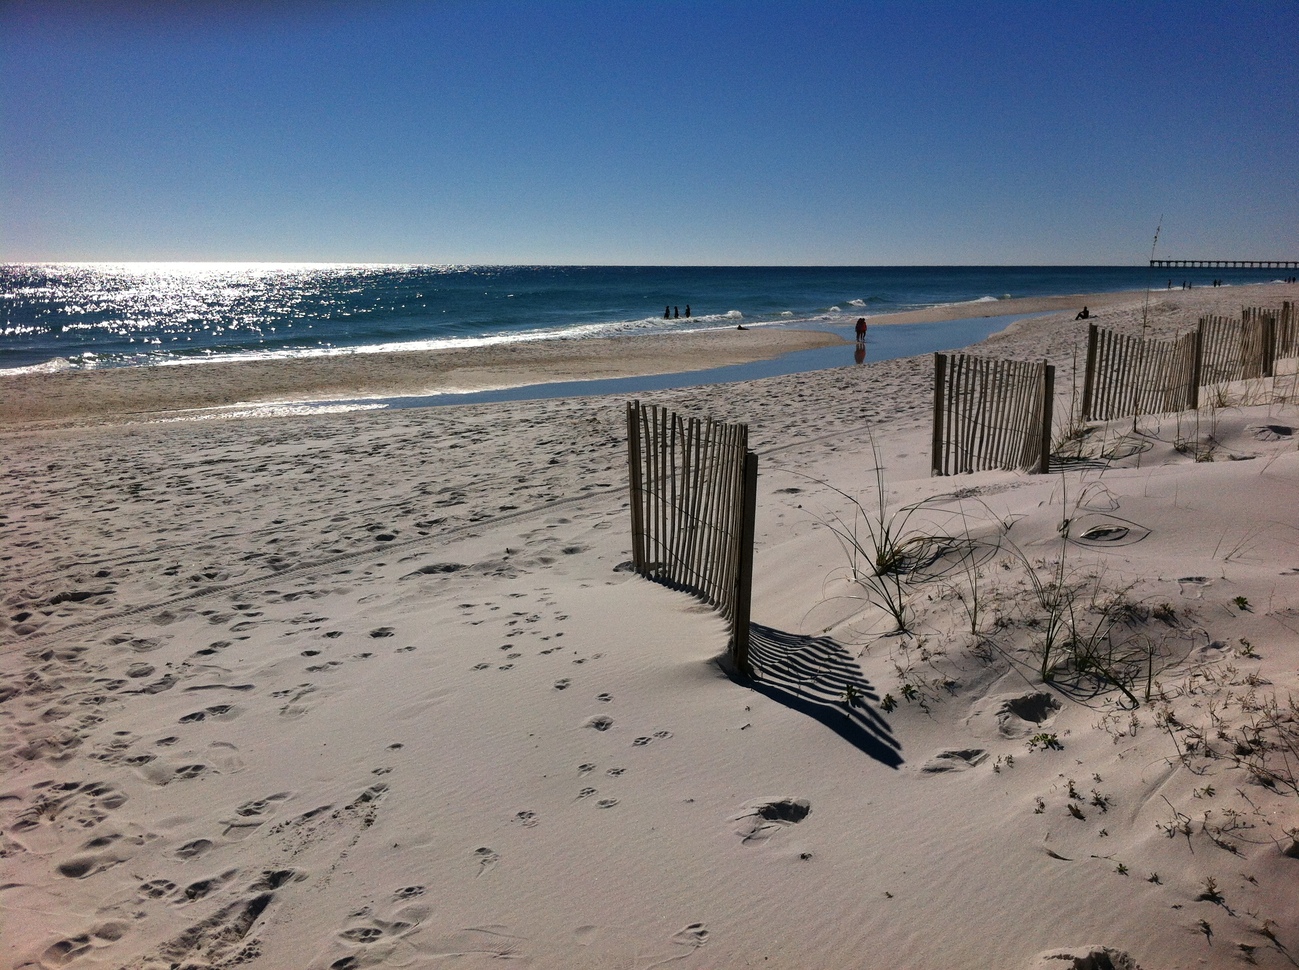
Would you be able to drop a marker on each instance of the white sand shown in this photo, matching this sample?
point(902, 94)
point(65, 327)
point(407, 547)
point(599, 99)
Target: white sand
point(371, 690)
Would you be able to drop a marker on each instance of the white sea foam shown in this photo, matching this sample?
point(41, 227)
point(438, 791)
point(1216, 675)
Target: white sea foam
point(54, 366)
point(643, 326)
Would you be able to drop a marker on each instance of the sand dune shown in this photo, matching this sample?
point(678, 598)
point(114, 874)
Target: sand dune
point(378, 689)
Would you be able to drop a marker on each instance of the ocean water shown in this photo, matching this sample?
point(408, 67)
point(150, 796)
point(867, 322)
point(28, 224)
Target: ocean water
point(76, 316)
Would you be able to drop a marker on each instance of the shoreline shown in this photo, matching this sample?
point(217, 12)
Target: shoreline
point(124, 394)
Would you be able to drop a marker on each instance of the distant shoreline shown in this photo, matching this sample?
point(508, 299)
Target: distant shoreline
point(116, 394)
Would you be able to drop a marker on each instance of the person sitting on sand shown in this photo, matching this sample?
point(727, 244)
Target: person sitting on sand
point(1084, 315)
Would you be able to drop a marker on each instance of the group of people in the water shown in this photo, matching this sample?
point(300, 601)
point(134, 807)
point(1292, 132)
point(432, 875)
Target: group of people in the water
point(672, 313)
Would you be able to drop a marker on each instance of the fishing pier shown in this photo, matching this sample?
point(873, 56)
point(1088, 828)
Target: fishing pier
point(1226, 263)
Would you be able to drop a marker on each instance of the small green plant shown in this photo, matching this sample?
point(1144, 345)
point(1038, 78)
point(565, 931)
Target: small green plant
point(886, 548)
point(1121, 869)
point(1165, 613)
point(1045, 741)
point(1079, 619)
point(888, 703)
point(1242, 603)
point(1039, 805)
point(910, 691)
point(1268, 745)
point(1154, 877)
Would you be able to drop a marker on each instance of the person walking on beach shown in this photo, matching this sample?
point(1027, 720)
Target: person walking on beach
point(861, 330)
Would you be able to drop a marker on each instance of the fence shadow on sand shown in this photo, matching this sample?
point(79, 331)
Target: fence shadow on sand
point(816, 677)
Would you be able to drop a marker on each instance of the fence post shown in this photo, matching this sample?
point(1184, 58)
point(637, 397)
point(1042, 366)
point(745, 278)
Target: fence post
point(940, 375)
point(744, 579)
point(1089, 373)
point(1197, 367)
point(636, 491)
point(1048, 401)
point(1269, 344)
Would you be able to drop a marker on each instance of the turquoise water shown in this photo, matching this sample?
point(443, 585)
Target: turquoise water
point(81, 316)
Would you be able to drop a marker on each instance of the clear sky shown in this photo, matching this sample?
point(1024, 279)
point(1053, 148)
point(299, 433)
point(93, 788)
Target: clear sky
point(546, 131)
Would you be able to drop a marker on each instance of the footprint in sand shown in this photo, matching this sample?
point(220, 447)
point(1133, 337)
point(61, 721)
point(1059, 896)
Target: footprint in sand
point(252, 815)
point(615, 772)
point(156, 888)
point(487, 858)
point(194, 849)
point(204, 887)
point(606, 803)
point(586, 793)
point(695, 935)
point(361, 934)
point(954, 760)
point(71, 948)
point(604, 698)
point(216, 711)
point(81, 866)
point(529, 819)
point(562, 683)
point(408, 892)
point(658, 736)
point(600, 722)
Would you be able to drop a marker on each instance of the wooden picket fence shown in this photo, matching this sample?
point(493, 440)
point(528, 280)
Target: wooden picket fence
point(693, 497)
point(1128, 375)
point(991, 414)
point(1237, 350)
point(1131, 375)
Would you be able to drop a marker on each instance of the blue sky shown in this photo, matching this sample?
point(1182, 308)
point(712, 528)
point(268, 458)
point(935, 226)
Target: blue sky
point(648, 133)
